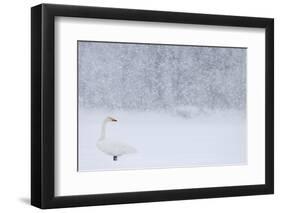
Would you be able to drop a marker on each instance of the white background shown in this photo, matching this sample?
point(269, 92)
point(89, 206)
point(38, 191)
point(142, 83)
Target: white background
point(70, 182)
point(15, 106)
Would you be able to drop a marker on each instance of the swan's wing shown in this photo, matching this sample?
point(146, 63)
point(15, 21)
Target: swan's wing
point(127, 148)
point(115, 148)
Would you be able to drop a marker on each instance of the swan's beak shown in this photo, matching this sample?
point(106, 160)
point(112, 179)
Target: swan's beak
point(113, 119)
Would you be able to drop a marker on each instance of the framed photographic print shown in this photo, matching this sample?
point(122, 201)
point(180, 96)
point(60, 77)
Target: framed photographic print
point(139, 106)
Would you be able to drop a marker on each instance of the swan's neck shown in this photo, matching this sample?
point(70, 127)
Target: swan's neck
point(103, 128)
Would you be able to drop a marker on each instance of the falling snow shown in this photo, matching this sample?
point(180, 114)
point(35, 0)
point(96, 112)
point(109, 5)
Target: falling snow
point(179, 106)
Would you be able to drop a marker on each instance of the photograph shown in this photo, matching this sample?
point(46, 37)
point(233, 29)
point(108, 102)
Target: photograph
point(158, 106)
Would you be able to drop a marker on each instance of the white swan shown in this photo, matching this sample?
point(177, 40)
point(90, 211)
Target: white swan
point(113, 148)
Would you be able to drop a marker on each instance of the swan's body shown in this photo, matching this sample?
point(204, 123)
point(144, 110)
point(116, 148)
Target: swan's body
point(111, 147)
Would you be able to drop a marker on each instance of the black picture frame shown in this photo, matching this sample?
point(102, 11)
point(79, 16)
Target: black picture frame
point(43, 102)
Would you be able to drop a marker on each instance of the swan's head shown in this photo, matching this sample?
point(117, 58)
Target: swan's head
point(110, 119)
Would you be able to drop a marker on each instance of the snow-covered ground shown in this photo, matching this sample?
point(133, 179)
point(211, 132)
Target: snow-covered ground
point(164, 140)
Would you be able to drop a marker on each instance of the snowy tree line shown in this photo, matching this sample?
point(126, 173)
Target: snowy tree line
point(152, 77)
